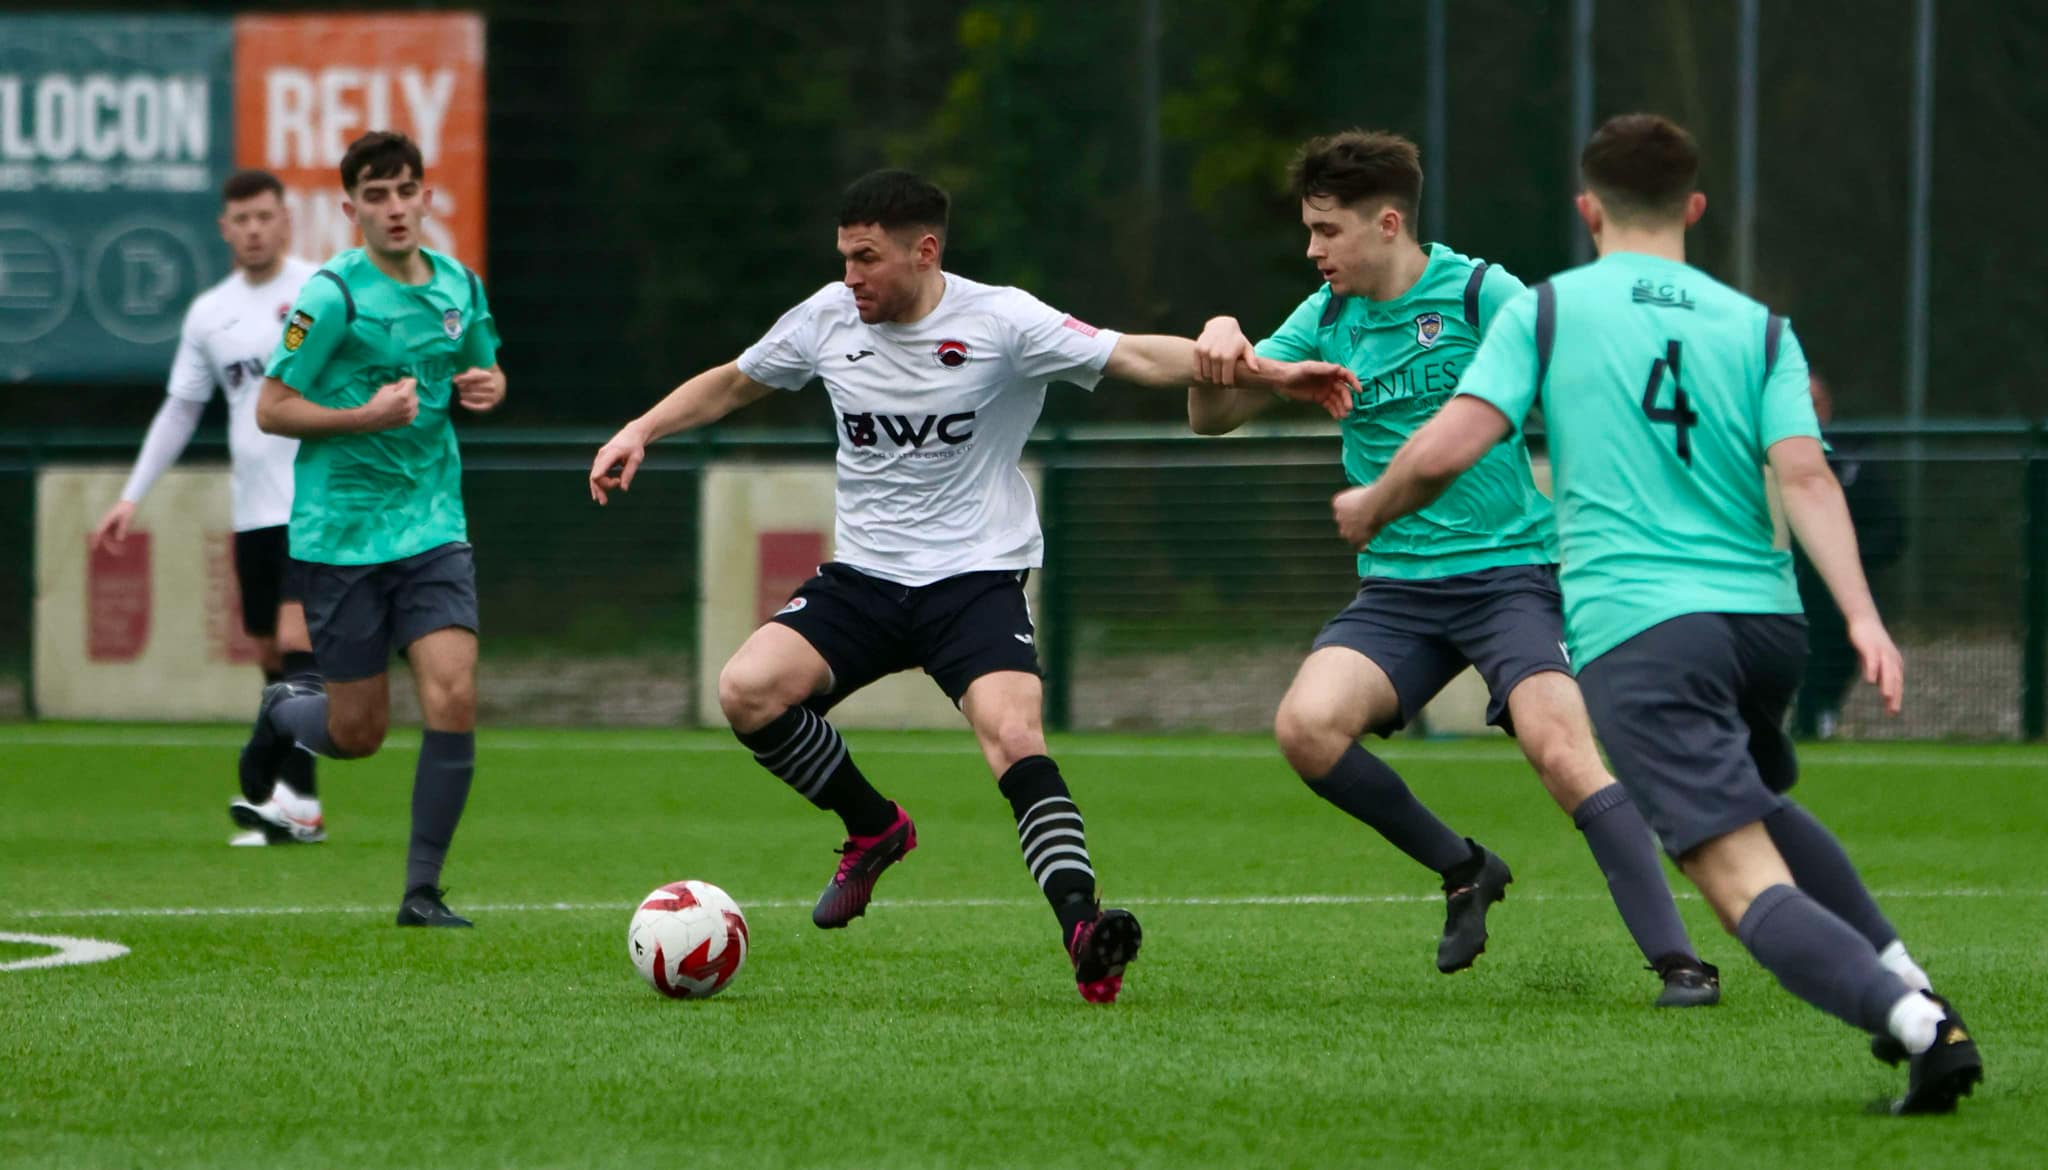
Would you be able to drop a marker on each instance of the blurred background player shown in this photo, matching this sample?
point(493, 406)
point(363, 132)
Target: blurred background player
point(1878, 515)
point(936, 381)
point(1662, 390)
point(1471, 580)
point(228, 335)
point(382, 344)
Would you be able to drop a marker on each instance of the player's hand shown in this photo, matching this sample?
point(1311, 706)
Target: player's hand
point(1352, 508)
point(1883, 666)
point(113, 527)
point(479, 389)
point(1326, 384)
point(394, 405)
point(1218, 350)
point(615, 465)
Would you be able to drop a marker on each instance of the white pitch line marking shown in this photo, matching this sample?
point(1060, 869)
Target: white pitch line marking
point(70, 952)
point(1077, 747)
point(888, 904)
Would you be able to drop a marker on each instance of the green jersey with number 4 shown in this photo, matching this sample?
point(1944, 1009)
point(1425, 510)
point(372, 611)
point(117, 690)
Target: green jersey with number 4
point(1661, 389)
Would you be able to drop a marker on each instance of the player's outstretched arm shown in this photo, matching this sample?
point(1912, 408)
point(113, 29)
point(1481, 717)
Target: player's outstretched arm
point(1156, 360)
point(1819, 516)
point(702, 400)
point(281, 410)
point(1460, 435)
point(169, 432)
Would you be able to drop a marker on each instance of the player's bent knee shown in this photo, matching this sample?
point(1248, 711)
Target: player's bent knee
point(1310, 744)
point(355, 738)
point(751, 697)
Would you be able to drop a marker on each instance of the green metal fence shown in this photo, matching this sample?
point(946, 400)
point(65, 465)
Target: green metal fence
point(1184, 576)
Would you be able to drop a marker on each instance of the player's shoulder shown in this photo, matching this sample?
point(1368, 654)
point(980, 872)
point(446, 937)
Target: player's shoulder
point(448, 268)
point(966, 295)
point(212, 300)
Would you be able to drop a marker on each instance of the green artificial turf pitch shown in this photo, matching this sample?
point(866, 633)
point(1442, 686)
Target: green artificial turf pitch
point(1285, 1012)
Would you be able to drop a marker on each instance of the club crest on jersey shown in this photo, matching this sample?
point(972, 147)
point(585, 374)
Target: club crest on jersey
point(1428, 327)
point(451, 323)
point(283, 311)
point(950, 354)
point(295, 329)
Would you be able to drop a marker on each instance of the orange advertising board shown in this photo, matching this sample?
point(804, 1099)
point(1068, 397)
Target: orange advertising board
point(306, 86)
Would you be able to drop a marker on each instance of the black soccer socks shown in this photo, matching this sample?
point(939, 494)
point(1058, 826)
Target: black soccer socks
point(1054, 843)
point(805, 752)
point(440, 787)
point(1363, 785)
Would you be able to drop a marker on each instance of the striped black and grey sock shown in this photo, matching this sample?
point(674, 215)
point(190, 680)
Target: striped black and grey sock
point(1050, 833)
point(804, 751)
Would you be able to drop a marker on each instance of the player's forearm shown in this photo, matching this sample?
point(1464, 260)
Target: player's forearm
point(281, 411)
point(701, 401)
point(1219, 410)
point(169, 432)
point(1819, 516)
point(1151, 359)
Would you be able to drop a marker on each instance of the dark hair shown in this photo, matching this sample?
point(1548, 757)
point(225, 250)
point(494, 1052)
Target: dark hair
point(248, 185)
point(1359, 166)
point(894, 200)
point(380, 154)
point(1641, 165)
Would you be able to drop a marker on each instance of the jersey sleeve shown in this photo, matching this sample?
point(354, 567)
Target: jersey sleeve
point(1295, 340)
point(1787, 410)
point(480, 336)
point(1503, 372)
point(1496, 288)
point(191, 377)
point(1050, 346)
point(314, 330)
point(786, 357)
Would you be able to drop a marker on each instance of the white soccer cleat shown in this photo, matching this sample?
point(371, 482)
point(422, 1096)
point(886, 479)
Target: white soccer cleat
point(284, 819)
point(252, 838)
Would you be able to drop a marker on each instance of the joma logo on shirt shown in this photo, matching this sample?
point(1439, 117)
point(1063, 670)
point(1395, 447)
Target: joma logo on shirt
point(866, 429)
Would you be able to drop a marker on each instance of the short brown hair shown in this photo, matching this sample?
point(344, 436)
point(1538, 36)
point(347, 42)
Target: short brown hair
point(248, 185)
point(1641, 166)
point(381, 154)
point(1359, 166)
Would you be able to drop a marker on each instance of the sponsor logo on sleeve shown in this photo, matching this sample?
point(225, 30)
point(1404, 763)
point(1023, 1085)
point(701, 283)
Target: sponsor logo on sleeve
point(295, 329)
point(1079, 326)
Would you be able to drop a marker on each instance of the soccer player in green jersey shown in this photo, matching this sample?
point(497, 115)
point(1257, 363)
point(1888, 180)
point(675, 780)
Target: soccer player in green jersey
point(1471, 580)
point(382, 343)
point(1666, 394)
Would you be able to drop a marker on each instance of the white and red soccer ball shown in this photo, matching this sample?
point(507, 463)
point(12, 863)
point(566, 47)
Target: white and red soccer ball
point(688, 940)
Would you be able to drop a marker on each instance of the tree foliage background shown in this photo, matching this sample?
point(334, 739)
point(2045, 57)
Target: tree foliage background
point(664, 176)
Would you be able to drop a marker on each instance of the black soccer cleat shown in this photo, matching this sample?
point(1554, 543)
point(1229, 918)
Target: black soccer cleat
point(1688, 982)
point(1465, 906)
point(1948, 1070)
point(861, 862)
point(423, 907)
point(267, 748)
point(1100, 949)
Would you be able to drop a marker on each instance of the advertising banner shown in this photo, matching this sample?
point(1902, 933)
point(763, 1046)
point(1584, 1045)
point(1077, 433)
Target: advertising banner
point(113, 145)
point(307, 86)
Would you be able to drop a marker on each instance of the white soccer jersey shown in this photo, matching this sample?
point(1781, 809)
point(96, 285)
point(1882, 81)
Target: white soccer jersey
point(932, 421)
point(229, 334)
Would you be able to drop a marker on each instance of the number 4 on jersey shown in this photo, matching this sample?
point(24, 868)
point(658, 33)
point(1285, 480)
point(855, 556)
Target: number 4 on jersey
point(1680, 413)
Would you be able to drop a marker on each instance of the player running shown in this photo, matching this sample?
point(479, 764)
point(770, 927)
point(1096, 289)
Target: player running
point(227, 337)
point(1665, 393)
point(383, 342)
point(936, 381)
point(1471, 580)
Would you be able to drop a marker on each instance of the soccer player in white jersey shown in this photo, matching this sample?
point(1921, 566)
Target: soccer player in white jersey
point(937, 381)
point(228, 334)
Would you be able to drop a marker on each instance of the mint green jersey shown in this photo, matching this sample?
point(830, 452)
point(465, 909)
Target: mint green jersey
point(370, 499)
point(1661, 390)
point(1410, 354)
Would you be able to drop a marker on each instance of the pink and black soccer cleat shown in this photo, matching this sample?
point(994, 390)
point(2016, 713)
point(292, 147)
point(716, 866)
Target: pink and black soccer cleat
point(861, 862)
point(1100, 949)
